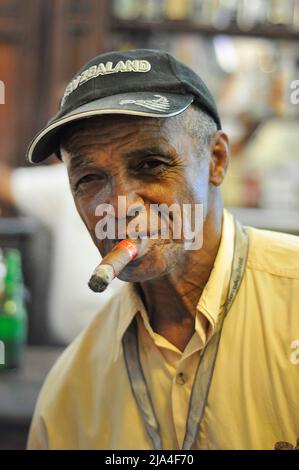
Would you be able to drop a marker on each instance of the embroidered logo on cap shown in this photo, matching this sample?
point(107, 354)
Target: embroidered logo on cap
point(105, 69)
point(160, 104)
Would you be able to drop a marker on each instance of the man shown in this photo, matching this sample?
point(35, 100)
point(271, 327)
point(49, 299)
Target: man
point(201, 349)
point(44, 193)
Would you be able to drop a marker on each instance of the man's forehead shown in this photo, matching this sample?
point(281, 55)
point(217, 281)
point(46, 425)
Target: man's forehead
point(116, 127)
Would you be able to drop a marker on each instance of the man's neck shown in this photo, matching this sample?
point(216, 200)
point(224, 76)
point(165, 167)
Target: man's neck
point(171, 301)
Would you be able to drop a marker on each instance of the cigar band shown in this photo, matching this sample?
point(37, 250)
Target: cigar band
point(127, 245)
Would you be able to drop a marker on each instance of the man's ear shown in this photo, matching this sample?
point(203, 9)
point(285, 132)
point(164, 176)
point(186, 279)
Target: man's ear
point(220, 156)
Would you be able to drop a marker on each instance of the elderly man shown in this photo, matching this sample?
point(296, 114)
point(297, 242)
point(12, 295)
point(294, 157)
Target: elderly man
point(201, 349)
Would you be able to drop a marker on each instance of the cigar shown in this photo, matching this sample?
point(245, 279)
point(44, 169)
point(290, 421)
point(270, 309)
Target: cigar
point(113, 263)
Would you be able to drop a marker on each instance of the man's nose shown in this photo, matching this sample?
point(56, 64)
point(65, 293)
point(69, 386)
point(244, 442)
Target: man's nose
point(127, 204)
point(126, 207)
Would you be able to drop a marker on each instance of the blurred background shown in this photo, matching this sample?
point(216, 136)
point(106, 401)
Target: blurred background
point(247, 52)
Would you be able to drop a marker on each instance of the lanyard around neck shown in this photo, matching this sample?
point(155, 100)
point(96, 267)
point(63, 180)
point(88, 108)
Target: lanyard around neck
point(204, 373)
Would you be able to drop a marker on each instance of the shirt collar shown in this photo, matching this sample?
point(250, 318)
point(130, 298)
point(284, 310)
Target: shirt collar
point(212, 298)
point(130, 305)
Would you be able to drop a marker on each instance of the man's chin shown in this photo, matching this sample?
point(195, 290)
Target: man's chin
point(149, 266)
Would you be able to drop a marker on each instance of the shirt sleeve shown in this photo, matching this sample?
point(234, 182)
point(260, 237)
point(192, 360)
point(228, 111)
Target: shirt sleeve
point(39, 191)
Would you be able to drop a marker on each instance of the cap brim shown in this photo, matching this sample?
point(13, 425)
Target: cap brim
point(154, 104)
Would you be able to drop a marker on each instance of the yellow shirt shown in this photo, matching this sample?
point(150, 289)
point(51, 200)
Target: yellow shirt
point(253, 402)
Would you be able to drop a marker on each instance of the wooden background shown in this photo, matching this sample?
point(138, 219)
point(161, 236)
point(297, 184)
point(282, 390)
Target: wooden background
point(42, 44)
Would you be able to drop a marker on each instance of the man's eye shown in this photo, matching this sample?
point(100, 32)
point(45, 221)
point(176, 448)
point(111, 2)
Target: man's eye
point(151, 164)
point(87, 179)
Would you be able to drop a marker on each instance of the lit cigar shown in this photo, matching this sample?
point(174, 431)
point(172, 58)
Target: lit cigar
point(113, 263)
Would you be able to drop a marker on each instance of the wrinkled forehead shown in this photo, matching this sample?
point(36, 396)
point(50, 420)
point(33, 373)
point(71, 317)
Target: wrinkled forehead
point(116, 127)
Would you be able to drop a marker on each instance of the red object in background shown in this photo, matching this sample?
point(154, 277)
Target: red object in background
point(251, 191)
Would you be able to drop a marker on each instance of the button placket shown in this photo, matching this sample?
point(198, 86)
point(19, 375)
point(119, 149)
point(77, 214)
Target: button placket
point(179, 398)
point(181, 378)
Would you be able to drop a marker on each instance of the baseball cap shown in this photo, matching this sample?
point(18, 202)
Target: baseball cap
point(140, 82)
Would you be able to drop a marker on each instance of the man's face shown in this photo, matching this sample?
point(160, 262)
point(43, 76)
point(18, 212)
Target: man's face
point(147, 161)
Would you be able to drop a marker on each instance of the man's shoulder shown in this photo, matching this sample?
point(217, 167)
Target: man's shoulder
point(92, 360)
point(273, 252)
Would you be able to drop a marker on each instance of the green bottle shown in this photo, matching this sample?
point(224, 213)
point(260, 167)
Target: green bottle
point(13, 315)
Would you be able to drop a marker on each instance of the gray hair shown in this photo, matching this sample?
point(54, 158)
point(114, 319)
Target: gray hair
point(200, 126)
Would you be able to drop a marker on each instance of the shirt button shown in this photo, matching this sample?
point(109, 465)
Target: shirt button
point(181, 378)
